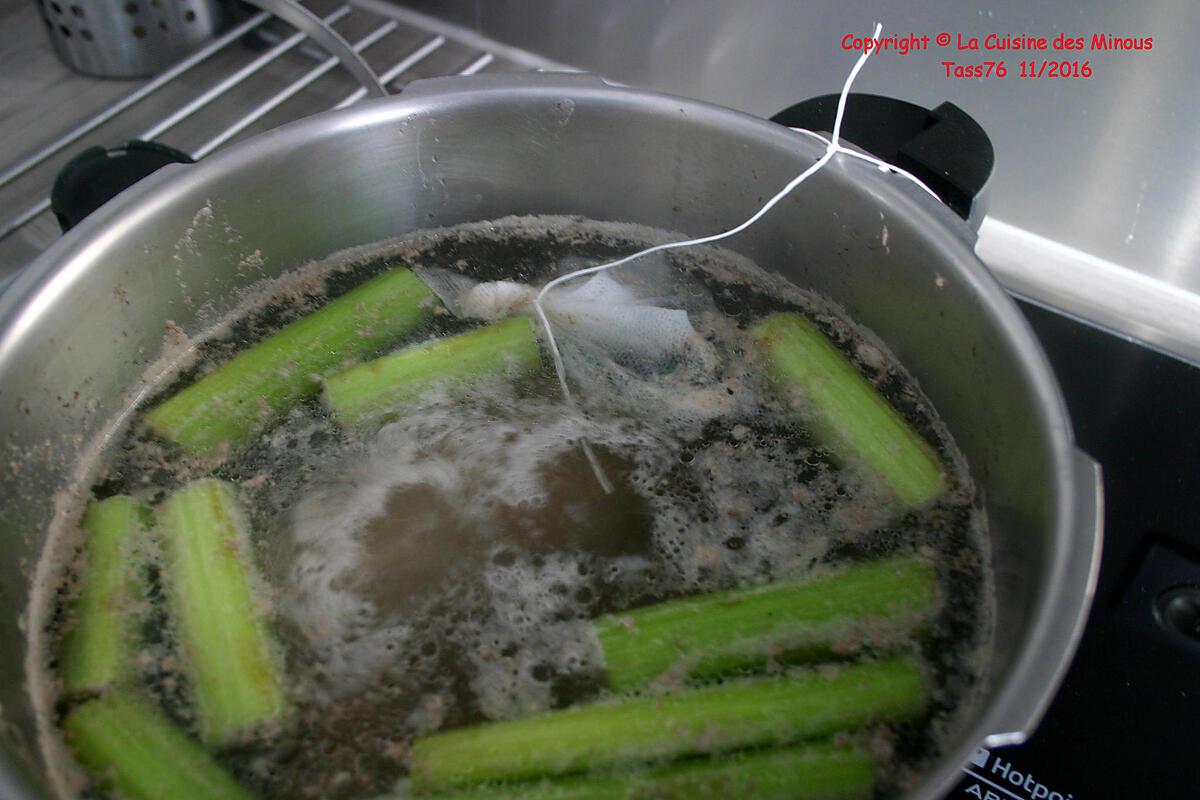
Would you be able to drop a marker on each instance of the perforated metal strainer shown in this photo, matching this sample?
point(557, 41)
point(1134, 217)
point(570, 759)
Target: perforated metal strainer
point(129, 38)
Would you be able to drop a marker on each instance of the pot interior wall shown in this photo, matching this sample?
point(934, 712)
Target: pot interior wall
point(79, 332)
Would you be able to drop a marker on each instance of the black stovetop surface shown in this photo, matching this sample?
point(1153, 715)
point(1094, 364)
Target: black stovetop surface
point(1126, 723)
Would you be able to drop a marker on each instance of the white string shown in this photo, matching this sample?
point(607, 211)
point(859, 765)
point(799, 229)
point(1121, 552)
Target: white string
point(833, 146)
point(884, 166)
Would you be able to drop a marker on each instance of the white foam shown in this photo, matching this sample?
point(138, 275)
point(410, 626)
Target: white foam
point(528, 602)
point(475, 456)
point(488, 455)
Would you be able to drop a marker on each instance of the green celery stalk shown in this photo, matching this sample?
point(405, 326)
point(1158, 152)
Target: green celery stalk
point(132, 747)
point(813, 771)
point(791, 621)
point(714, 719)
point(99, 650)
point(246, 395)
point(375, 391)
point(845, 411)
point(229, 654)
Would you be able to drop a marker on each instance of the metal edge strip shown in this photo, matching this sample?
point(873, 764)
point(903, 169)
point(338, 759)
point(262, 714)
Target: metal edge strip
point(1088, 288)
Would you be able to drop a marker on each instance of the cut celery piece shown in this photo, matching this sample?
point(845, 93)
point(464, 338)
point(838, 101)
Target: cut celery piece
point(246, 395)
point(845, 411)
point(732, 716)
point(99, 650)
point(813, 772)
point(372, 392)
point(132, 747)
point(228, 651)
point(791, 621)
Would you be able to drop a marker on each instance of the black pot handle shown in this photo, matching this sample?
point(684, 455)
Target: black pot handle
point(945, 147)
point(97, 175)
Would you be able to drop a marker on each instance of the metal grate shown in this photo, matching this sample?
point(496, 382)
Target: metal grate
point(256, 76)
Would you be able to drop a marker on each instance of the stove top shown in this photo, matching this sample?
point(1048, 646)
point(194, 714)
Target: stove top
point(1126, 721)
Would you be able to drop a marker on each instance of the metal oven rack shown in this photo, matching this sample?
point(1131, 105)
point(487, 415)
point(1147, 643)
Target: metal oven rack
point(257, 75)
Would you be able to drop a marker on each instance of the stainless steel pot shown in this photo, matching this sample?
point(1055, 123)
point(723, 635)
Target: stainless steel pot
point(79, 328)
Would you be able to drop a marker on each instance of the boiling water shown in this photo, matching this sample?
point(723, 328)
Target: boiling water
point(440, 571)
